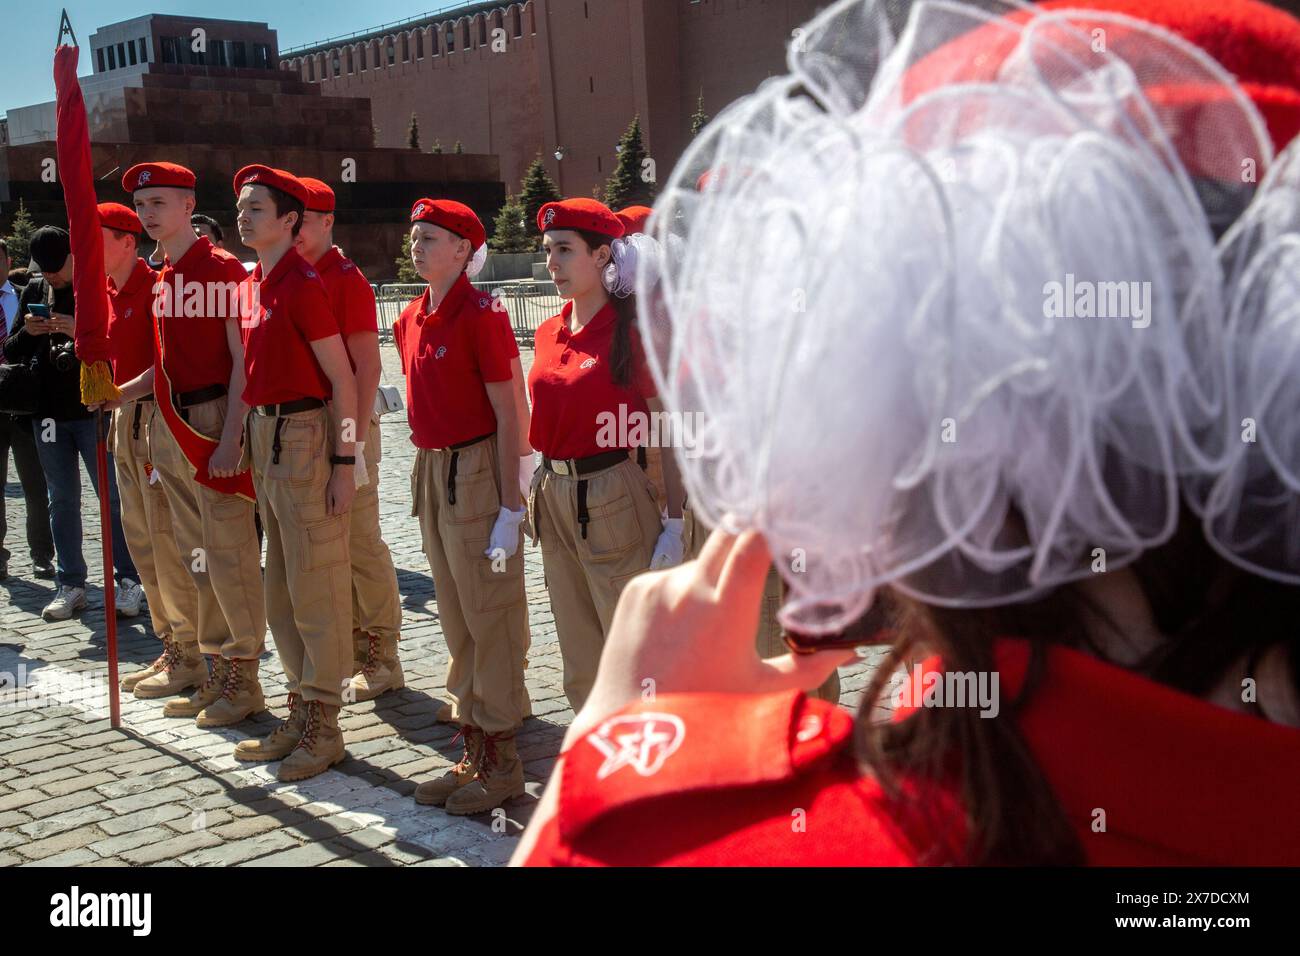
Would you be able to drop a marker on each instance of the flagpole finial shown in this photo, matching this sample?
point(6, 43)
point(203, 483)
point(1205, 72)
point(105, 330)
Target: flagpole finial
point(65, 27)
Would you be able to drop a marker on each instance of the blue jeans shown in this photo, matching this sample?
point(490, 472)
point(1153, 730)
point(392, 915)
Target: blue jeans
point(59, 461)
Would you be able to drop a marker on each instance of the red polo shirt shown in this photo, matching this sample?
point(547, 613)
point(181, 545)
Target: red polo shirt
point(1182, 781)
point(193, 324)
point(130, 323)
point(448, 356)
point(571, 385)
point(349, 292)
point(292, 310)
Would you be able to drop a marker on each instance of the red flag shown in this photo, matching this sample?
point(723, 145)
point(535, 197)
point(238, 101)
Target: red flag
point(72, 145)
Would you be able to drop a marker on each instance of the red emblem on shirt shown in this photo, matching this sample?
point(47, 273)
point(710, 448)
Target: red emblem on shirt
point(640, 741)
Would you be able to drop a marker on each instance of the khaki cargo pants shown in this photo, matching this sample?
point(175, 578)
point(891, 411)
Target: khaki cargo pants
point(586, 574)
point(147, 525)
point(483, 611)
point(308, 569)
point(769, 636)
point(216, 540)
point(376, 606)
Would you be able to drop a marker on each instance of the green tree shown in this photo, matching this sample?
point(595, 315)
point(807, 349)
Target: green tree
point(413, 133)
point(437, 147)
point(628, 185)
point(510, 232)
point(700, 119)
point(20, 238)
point(536, 191)
point(405, 270)
point(459, 148)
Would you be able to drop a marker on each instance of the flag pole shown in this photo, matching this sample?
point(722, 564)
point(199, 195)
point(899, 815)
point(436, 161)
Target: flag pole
point(110, 597)
point(72, 144)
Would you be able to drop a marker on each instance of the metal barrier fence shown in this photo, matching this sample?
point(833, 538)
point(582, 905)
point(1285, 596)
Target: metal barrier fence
point(528, 302)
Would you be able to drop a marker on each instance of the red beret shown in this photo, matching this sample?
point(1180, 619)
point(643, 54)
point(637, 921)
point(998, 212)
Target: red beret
point(149, 175)
point(584, 214)
point(1255, 42)
point(260, 175)
point(634, 218)
point(116, 216)
point(451, 215)
point(320, 196)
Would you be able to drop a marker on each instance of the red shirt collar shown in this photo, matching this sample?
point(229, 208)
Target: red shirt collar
point(288, 261)
point(139, 276)
point(450, 303)
point(330, 260)
point(598, 321)
point(200, 250)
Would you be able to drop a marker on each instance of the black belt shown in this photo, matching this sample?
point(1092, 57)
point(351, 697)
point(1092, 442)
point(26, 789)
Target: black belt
point(185, 400)
point(577, 467)
point(198, 396)
point(278, 412)
point(288, 408)
point(455, 460)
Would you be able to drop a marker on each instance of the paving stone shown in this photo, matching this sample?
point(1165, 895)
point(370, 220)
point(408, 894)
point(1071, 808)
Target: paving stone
point(76, 791)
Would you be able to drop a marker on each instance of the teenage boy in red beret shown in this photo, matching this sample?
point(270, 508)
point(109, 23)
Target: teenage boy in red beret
point(195, 440)
point(457, 353)
point(376, 605)
point(146, 520)
point(302, 447)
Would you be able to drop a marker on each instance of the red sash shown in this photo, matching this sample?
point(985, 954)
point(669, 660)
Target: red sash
point(196, 446)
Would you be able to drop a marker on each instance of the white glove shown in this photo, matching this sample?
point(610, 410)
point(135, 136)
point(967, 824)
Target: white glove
point(527, 465)
point(505, 534)
point(359, 472)
point(669, 549)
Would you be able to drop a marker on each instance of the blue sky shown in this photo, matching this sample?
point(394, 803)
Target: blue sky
point(29, 36)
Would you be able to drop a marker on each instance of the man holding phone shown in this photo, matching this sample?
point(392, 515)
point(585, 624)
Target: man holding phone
point(62, 427)
point(16, 433)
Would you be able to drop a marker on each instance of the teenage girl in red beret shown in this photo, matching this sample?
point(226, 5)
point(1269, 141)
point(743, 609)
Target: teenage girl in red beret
point(594, 510)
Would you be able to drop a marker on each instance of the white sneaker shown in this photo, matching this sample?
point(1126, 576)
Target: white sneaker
point(128, 598)
point(67, 602)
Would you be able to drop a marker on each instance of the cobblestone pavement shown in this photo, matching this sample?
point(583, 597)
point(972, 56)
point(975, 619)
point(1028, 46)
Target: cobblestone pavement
point(73, 791)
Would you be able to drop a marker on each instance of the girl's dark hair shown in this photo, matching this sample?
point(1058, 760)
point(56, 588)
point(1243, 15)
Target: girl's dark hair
point(620, 358)
point(1211, 613)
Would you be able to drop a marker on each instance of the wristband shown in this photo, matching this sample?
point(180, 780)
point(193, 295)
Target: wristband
point(343, 459)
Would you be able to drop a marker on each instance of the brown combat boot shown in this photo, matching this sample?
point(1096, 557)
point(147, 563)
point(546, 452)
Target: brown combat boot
point(381, 671)
point(319, 748)
point(280, 742)
point(184, 670)
point(128, 683)
point(241, 695)
point(360, 645)
point(500, 777)
point(207, 693)
point(434, 793)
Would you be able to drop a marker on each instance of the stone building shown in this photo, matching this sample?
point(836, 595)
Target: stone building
point(516, 79)
point(215, 106)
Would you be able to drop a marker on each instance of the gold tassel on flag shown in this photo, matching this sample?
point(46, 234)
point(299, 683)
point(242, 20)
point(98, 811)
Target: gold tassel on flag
point(97, 384)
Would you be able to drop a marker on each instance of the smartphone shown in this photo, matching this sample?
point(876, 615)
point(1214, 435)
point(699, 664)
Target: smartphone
point(40, 310)
point(871, 628)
